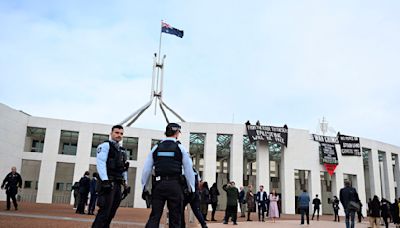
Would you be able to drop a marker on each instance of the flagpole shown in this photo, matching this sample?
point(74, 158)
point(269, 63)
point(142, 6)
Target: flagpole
point(159, 45)
point(158, 65)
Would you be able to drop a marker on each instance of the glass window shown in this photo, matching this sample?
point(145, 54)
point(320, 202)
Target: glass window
point(196, 150)
point(59, 186)
point(223, 152)
point(27, 184)
point(68, 142)
point(97, 139)
point(365, 154)
point(275, 150)
point(131, 146)
point(249, 156)
point(34, 140)
point(68, 187)
point(154, 142)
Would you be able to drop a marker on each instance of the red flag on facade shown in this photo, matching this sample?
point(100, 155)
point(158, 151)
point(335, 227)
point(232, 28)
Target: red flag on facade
point(330, 168)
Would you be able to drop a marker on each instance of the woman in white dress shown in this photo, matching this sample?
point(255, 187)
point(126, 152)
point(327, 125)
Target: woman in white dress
point(273, 205)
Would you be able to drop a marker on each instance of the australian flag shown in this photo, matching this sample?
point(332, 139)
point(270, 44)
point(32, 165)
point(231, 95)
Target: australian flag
point(166, 28)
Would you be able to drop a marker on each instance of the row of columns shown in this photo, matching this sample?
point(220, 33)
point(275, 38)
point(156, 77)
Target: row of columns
point(379, 173)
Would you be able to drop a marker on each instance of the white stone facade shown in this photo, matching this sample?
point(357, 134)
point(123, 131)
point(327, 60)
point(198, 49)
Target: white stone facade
point(301, 154)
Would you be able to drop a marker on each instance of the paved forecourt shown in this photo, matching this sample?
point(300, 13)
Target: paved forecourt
point(63, 216)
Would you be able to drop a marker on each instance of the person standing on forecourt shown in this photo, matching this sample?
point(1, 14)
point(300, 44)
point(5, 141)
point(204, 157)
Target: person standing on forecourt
point(335, 205)
point(75, 189)
point(11, 183)
point(251, 205)
point(168, 157)
point(232, 194)
point(214, 193)
point(242, 202)
point(304, 205)
point(261, 199)
point(273, 205)
point(194, 201)
point(374, 212)
point(316, 202)
point(93, 193)
point(112, 168)
point(349, 196)
point(84, 189)
point(204, 199)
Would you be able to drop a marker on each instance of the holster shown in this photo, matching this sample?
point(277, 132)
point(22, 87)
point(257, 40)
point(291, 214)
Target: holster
point(98, 186)
point(185, 187)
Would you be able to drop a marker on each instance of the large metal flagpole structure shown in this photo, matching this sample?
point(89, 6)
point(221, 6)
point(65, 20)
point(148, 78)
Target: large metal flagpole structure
point(156, 91)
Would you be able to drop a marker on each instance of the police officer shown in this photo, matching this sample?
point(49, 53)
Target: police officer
point(168, 157)
point(112, 168)
point(12, 182)
point(84, 189)
point(194, 201)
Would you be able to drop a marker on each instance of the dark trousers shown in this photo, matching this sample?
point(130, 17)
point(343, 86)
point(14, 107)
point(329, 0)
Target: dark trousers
point(261, 211)
point(336, 211)
point(92, 204)
point(385, 220)
point(359, 215)
point(170, 191)
point(148, 201)
point(248, 216)
point(306, 211)
point(76, 199)
point(108, 204)
point(231, 211)
point(349, 218)
point(316, 209)
point(214, 208)
point(83, 197)
point(11, 196)
point(195, 205)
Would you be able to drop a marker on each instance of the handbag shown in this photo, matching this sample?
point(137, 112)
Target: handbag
point(354, 206)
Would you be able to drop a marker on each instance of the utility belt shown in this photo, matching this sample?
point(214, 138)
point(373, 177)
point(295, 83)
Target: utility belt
point(160, 178)
point(112, 182)
point(118, 181)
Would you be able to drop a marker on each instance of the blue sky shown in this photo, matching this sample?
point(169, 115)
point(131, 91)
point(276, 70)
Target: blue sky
point(280, 62)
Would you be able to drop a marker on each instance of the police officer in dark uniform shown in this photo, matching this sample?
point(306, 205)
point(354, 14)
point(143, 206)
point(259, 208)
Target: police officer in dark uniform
point(194, 201)
point(12, 182)
point(84, 188)
point(168, 157)
point(112, 168)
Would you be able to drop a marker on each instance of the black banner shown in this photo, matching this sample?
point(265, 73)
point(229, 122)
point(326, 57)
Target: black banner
point(267, 133)
point(325, 139)
point(327, 148)
point(328, 153)
point(349, 145)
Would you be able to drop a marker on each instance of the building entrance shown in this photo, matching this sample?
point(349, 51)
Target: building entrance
point(326, 193)
point(301, 181)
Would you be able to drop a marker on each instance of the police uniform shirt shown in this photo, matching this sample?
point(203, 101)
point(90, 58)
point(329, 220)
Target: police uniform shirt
point(198, 175)
point(186, 162)
point(101, 160)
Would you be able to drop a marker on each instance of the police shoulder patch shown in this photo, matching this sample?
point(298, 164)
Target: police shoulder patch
point(98, 149)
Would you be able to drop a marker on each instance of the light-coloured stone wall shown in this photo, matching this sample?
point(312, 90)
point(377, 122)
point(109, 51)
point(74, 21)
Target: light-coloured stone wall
point(302, 153)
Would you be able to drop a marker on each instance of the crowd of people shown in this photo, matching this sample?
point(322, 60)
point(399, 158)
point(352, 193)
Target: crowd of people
point(164, 166)
point(266, 204)
point(383, 212)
